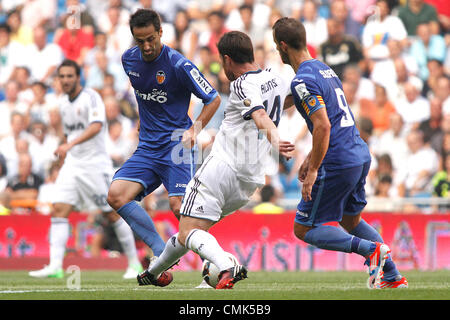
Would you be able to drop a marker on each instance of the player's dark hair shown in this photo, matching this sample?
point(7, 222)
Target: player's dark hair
point(143, 18)
point(267, 192)
point(70, 63)
point(238, 46)
point(291, 31)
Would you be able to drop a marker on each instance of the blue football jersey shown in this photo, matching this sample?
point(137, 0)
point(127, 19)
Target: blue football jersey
point(317, 86)
point(163, 89)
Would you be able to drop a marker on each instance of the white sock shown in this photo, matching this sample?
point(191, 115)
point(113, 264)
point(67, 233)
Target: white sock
point(171, 253)
point(59, 234)
point(126, 238)
point(206, 245)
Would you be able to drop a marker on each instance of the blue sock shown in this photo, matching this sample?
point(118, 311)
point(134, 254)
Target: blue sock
point(141, 223)
point(336, 239)
point(366, 231)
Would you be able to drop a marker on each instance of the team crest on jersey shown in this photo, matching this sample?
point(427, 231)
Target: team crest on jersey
point(160, 76)
point(247, 102)
point(311, 101)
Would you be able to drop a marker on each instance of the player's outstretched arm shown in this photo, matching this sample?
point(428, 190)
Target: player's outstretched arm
point(190, 136)
point(266, 125)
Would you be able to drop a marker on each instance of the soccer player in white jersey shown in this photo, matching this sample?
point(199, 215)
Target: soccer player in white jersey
point(86, 173)
point(235, 167)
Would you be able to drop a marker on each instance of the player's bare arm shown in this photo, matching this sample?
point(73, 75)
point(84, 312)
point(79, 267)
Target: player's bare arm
point(320, 140)
point(92, 130)
point(264, 123)
point(190, 136)
point(304, 168)
point(288, 102)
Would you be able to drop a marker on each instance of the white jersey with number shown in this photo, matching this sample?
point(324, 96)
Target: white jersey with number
point(85, 177)
point(76, 116)
point(239, 142)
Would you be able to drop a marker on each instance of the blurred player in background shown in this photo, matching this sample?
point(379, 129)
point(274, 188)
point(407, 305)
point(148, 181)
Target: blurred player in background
point(334, 172)
point(235, 167)
point(86, 173)
point(163, 81)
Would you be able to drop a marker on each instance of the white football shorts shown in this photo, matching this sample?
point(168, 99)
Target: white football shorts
point(215, 191)
point(85, 187)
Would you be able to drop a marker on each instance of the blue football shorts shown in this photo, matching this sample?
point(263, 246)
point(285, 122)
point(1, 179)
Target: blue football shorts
point(151, 170)
point(334, 194)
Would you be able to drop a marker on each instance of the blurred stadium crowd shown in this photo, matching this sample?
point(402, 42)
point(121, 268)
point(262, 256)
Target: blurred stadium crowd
point(391, 55)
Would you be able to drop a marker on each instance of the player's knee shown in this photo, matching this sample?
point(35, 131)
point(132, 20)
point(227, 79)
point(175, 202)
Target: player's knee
point(182, 235)
point(60, 211)
point(350, 222)
point(115, 198)
point(300, 231)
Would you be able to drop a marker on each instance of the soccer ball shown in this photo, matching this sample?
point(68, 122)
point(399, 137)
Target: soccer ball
point(210, 272)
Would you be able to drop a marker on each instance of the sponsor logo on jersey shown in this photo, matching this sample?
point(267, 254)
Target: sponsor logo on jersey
point(133, 73)
point(202, 83)
point(76, 126)
point(303, 214)
point(160, 76)
point(156, 95)
point(180, 185)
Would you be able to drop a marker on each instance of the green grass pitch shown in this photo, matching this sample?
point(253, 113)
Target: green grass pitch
point(109, 285)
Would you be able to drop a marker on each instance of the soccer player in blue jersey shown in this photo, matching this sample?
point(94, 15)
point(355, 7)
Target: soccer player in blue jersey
point(163, 81)
point(334, 173)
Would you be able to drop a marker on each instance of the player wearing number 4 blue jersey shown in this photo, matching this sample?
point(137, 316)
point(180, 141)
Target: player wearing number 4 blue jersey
point(163, 81)
point(335, 170)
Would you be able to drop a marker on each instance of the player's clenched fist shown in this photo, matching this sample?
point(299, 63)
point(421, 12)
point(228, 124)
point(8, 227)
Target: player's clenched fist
point(286, 148)
point(62, 150)
point(189, 137)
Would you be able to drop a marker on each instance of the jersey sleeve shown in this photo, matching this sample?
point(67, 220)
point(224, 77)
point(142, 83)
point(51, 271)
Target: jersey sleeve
point(307, 94)
point(96, 111)
point(125, 63)
point(249, 97)
point(190, 76)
